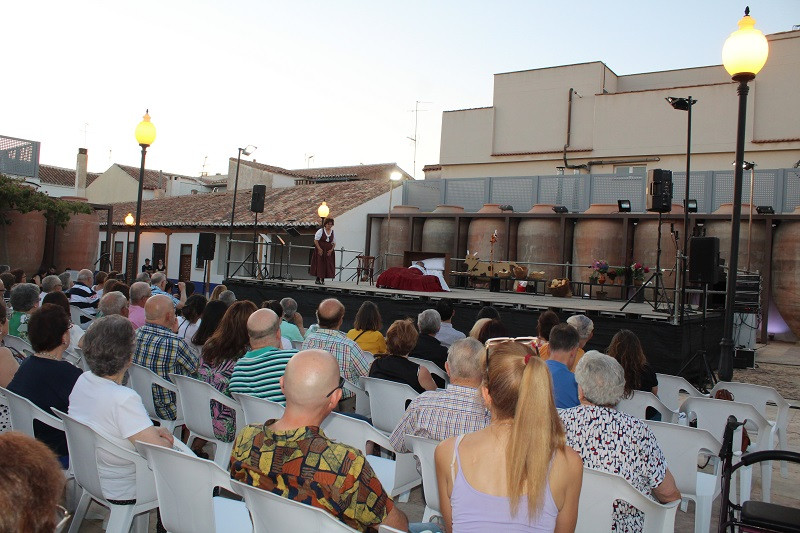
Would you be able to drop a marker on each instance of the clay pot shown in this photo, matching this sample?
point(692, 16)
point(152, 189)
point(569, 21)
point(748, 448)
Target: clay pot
point(597, 239)
point(22, 241)
point(645, 244)
point(786, 272)
point(722, 230)
point(539, 241)
point(398, 237)
point(438, 233)
point(480, 233)
point(76, 244)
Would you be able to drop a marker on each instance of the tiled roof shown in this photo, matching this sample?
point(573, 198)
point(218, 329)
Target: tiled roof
point(153, 179)
point(295, 206)
point(271, 168)
point(378, 171)
point(62, 176)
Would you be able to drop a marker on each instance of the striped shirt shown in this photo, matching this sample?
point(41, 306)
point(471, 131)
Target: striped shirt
point(83, 297)
point(441, 414)
point(353, 363)
point(259, 371)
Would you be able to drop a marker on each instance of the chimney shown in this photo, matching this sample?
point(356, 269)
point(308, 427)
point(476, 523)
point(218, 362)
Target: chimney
point(80, 172)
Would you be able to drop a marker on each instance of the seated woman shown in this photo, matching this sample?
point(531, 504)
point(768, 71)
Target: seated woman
point(45, 378)
point(615, 442)
point(8, 367)
point(395, 366)
point(367, 329)
point(517, 473)
point(491, 330)
point(627, 350)
point(101, 401)
point(24, 299)
point(60, 299)
point(547, 321)
point(189, 320)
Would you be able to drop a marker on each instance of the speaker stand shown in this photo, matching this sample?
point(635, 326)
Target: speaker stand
point(702, 351)
point(659, 290)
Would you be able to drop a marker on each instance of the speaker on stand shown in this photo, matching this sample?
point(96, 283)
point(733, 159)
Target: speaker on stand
point(206, 247)
point(256, 207)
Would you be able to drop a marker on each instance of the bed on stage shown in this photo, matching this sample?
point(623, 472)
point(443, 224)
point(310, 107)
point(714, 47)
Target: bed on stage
point(410, 279)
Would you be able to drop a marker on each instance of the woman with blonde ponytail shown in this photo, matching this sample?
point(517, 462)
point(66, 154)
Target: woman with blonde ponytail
point(517, 474)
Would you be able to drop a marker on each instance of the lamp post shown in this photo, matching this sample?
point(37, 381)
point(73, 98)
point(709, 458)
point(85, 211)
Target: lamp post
point(751, 166)
point(322, 212)
point(247, 150)
point(145, 135)
point(685, 104)
point(393, 177)
point(129, 221)
point(743, 55)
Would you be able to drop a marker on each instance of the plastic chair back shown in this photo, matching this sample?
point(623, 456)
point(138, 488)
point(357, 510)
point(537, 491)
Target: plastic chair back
point(362, 398)
point(76, 313)
point(297, 345)
point(387, 401)
point(142, 379)
point(423, 449)
point(433, 368)
point(273, 513)
point(20, 345)
point(258, 410)
point(637, 406)
point(22, 412)
point(670, 388)
point(599, 492)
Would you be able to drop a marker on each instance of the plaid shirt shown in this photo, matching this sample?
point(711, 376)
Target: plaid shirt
point(353, 362)
point(441, 414)
point(163, 352)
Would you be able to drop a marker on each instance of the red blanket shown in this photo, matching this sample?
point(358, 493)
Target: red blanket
point(409, 279)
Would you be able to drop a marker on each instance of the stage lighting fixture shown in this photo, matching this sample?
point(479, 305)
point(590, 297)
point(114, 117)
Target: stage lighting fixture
point(765, 210)
point(560, 209)
point(507, 207)
point(624, 206)
point(690, 206)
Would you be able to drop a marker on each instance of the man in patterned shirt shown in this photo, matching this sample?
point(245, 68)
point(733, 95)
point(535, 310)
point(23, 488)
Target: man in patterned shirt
point(456, 410)
point(159, 348)
point(293, 457)
point(353, 362)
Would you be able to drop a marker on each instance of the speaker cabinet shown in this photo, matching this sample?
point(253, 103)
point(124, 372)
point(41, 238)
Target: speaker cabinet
point(206, 246)
point(257, 202)
point(704, 260)
point(659, 190)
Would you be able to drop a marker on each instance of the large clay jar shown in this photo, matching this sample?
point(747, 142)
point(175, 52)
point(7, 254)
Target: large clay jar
point(438, 233)
point(480, 234)
point(22, 241)
point(722, 230)
point(76, 244)
point(597, 238)
point(786, 272)
point(645, 244)
point(397, 238)
point(539, 241)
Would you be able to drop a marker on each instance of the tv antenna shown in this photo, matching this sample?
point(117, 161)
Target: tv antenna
point(414, 138)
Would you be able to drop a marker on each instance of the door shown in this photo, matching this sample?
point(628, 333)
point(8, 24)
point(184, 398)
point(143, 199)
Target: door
point(118, 248)
point(185, 272)
point(130, 268)
point(159, 252)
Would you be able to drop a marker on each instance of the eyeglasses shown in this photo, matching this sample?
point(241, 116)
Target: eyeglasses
point(339, 386)
point(62, 517)
point(528, 342)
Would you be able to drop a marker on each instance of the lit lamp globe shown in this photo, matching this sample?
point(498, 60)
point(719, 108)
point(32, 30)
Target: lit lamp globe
point(323, 210)
point(145, 131)
point(396, 176)
point(129, 220)
point(745, 51)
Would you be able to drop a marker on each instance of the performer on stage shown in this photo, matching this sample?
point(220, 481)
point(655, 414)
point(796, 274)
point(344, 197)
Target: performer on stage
point(323, 263)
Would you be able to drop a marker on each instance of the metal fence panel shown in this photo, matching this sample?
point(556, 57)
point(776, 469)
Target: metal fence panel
point(469, 193)
point(516, 192)
point(423, 194)
point(607, 189)
point(697, 189)
point(19, 157)
point(791, 190)
point(562, 190)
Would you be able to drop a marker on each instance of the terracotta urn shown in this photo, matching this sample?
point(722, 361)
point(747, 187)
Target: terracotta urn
point(539, 241)
point(438, 233)
point(22, 240)
point(77, 244)
point(597, 237)
point(397, 239)
point(786, 272)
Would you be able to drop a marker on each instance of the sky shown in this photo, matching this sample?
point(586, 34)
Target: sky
point(314, 82)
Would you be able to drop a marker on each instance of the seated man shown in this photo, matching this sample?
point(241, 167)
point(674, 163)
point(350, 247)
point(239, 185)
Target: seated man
point(82, 295)
point(564, 346)
point(292, 456)
point(585, 327)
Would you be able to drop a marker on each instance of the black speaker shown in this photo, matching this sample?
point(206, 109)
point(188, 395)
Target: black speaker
point(257, 202)
point(704, 260)
point(206, 246)
point(659, 190)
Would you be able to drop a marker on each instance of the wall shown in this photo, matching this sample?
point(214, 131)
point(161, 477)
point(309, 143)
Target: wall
point(115, 185)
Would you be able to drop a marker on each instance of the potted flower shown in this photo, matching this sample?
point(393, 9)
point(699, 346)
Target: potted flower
point(638, 270)
point(599, 271)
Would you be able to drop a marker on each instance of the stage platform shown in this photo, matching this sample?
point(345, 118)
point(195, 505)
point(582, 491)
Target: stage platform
point(668, 347)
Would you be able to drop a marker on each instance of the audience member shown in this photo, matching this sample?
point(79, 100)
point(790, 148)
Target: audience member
point(37, 278)
point(189, 288)
point(517, 473)
point(477, 327)
point(101, 401)
point(547, 321)
point(31, 485)
point(7, 279)
point(113, 275)
point(19, 275)
point(60, 299)
point(353, 363)
point(564, 342)
point(113, 303)
point(8, 366)
point(105, 288)
point(24, 300)
point(189, 320)
point(585, 328)
point(367, 329)
point(100, 281)
point(158, 285)
point(394, 364)
point(140, 292)
point(4, 269)
point(492, 329)
point(82, 296)
point(219, 289)
point(292, 322)
point(615, 442)
point(285, 456)
point(228, 297)
point(121, 286)
point(447, 334)
point(212, 316)
point(276, 307)
point(144, 277)
point(220, 353)
point(44, 378)
point(488, 311)
point(160, 266)
point(147, 267)
point(428, 347)
point(50, 284)
point(259, 371)
point(66, 281)
point(456, 410)
point(161, 350)
point(626, 348)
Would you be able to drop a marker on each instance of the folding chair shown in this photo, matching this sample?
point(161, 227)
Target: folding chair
point(433, 368)
point(637, 406)
point(141, 380)
point(424, 449)
point(387, 401)
point(670, 388)
point(258, 410)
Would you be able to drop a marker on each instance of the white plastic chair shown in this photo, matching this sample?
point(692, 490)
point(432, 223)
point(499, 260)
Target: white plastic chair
point(196, 398)
point(433, 368)
point(258, 410)
point(637, 406)
point(20, 345)
point(423, 449)
point(759, 396)
point(76, 313)
point(273, 513)
point(185, 485)
point(712, 415)
point(297, 345)
point(682, 446)
point(599, 492)
point(141, 380)
point(397, 476)
point(78, 353)
point(387, 401)
point(362, 398)
point(83, 443)
point(670, 388)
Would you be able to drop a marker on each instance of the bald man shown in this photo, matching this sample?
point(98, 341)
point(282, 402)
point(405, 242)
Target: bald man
point(259, 371)
point(82, 295)
point(265, 454)
point(162, 350)
point(353, 361)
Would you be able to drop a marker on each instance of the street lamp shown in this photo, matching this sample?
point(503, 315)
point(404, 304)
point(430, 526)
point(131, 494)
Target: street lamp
point(145, 135)
point(129, 221)
point(247, 150)
point(393, 177)
point(743, 55)
point(751, 166)
point(322, 212)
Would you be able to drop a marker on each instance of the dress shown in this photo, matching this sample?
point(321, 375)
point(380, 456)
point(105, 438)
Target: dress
point(370, 341)
point(323, 266)
point(396, 368)
point(219, 377)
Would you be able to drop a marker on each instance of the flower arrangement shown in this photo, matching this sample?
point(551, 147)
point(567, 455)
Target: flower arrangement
point(599, 271)
point(638, 271)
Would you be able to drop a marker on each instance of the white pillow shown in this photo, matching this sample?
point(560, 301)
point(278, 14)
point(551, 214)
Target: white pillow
point(434, 263)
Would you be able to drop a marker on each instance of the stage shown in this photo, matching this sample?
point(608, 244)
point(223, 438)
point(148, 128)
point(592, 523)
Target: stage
point(668, 347)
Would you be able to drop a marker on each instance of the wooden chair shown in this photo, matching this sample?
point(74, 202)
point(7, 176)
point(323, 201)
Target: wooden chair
point(365, 270)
